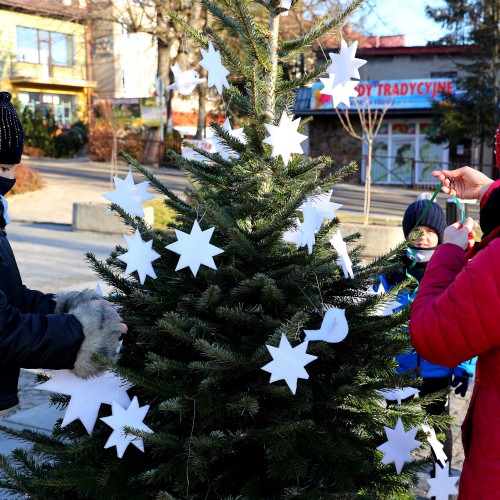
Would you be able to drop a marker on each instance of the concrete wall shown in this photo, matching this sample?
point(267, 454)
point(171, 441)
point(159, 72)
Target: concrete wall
point(96, 217)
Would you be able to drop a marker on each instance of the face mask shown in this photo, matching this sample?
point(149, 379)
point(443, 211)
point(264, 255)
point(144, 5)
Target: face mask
point(6, 185)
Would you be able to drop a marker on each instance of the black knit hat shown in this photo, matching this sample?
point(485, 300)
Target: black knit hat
point(434, 217)
point(11, 132)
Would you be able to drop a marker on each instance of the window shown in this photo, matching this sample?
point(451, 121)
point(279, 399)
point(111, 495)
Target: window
point(44, 47)
point(62, 107)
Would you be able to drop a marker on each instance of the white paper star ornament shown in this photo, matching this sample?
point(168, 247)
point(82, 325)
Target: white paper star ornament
point(288, 363)
point(344, 64)
point(132, 417)
point(139, 257)
point(325, 208)
point(217, 73)
point(399, 445)
point(341, 94)
point(87, 394)
point(285, 138)
point(128, 195)
point(223, 149)
point(185, 81)
point(443, 484)
point(308, 226)
point(195, 249)
point(334, 327)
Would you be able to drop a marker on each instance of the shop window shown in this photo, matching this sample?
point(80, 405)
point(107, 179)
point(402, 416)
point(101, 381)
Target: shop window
point(44, 47)
point(62, 107)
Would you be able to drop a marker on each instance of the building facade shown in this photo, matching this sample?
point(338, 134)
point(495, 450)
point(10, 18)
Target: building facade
point(43, 57)
point(406, 81)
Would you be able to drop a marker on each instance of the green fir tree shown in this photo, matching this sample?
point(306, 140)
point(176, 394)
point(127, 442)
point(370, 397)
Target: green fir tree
point(196, 345)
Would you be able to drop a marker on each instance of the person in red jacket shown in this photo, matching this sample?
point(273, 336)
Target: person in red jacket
point(39, 330)
point(455, 316)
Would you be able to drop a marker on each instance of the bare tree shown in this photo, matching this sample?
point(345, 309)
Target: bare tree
point(370, 121)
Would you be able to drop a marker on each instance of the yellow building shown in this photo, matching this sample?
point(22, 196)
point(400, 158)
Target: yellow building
point(44, 56)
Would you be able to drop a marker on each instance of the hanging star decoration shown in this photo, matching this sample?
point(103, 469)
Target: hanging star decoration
point(217, 73)
point(288, 362)
point(185, 81)
point(131, 417)
point(225, 151)
point(128, 195)
point(399, 445)
point(341, 94)
point(436, 446)
point(334, 327)
point(443, 484)
point(325, 208)
point(398, 394)
point(195, 249)
point(345, 65)
point(139, 257)
point(343, 257)
point(87, 394)
point(285, 138)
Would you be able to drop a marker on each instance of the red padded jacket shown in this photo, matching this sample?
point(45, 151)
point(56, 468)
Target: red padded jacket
point(456, 316)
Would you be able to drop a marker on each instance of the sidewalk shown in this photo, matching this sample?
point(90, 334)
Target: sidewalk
point(51, 257)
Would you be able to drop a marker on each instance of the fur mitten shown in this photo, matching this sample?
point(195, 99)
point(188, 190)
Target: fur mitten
point(101, 326)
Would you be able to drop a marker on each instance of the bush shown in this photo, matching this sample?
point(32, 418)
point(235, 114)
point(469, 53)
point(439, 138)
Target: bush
point(39, 130)
point(27, 180)
point(69, 142)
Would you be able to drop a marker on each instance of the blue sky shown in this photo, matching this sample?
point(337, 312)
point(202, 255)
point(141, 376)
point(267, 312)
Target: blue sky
point(396, 17)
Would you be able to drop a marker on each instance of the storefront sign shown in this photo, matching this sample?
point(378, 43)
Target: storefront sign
point(396, 94)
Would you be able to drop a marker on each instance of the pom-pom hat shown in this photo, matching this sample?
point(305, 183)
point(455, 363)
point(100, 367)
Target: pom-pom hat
point(11, 132)
point(434, 218)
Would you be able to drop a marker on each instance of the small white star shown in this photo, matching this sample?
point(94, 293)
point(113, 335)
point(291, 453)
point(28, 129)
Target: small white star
point(225, 151)
point(87, 394)
point(443, 484)
point(128, 195)
point(285, 138)
point(340, 93)
point(194, 248)
point(216, 71)
point(399, 445)
point(325, 209)
point(344, 64)
point(139, 257)
point(132, 417)
point(288, 362)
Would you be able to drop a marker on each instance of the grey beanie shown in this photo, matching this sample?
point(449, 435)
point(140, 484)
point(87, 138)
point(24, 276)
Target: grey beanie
point(434, 218)
point(11, 132)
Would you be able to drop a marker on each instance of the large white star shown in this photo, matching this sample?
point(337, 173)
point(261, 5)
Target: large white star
point(443, 484)
point(284, 138)
point(340, 93)
point(132, 417)
point(139, 256)
point(223, 149)
point(87, 394)
point(399, 445)
point(216, 71)
point(288, 362)
point(128, 195)
point(344, 64)
point(194, 248)
point(325, 209)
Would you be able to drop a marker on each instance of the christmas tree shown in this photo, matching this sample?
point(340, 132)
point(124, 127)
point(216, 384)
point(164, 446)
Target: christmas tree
point(252, 364)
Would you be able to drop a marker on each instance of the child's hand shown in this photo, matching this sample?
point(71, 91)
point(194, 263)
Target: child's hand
point(461, 234)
